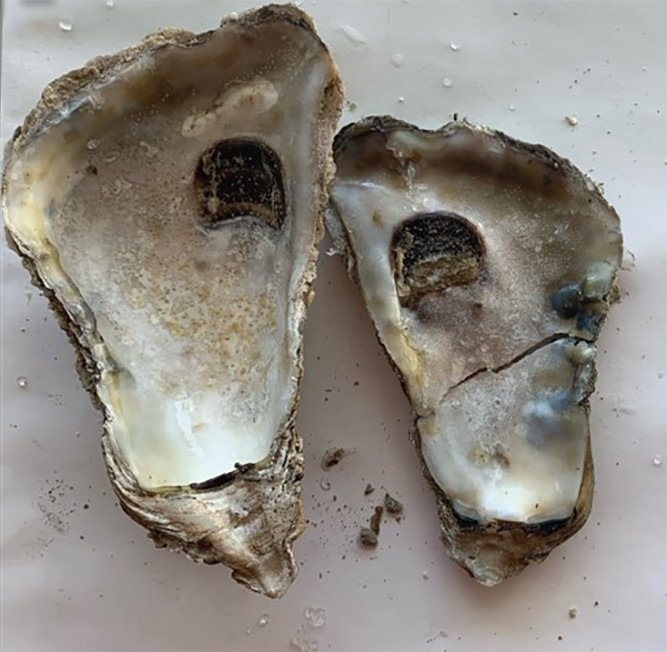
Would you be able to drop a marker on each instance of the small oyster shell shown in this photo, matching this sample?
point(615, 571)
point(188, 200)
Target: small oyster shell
point(488, 266)
point(167, 199)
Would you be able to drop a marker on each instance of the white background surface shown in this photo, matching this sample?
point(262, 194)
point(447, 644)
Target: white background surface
point(88, 579)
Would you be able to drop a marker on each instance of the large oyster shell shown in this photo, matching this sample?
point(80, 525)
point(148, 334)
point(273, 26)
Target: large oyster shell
point(487, 265)
point(167, 199)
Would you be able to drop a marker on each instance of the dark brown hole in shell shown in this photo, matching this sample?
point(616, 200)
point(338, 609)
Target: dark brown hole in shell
point(431, 252)
point(240, 178)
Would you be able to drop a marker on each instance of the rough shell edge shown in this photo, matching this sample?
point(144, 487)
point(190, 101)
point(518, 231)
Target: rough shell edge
point(519, 544)
point(288, 446)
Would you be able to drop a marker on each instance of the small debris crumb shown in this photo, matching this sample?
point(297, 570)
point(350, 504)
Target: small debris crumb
point(376, 519)
point(629, 261)
point(369, 489)
point(368, 538)
point(353, 35)
point(315, 617)
point(393, 506)
point(572, 612)
point(332, 457)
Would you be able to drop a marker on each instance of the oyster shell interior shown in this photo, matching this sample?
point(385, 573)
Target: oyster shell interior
point(168, 199)
point(487, 266)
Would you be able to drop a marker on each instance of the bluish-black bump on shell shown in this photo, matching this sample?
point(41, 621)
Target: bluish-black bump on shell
point(567, 301)
point(591, 322)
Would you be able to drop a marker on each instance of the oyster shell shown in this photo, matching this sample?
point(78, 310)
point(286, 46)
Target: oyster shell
point(167, 199)
point(488, 266)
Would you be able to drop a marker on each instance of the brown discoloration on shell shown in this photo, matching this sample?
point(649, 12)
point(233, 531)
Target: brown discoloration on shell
point(489, 552)
point(264, 501)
